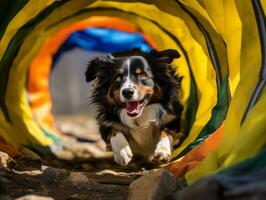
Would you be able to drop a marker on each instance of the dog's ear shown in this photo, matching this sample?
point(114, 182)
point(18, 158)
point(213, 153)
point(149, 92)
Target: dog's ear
point(97, 67)
point(166, 56)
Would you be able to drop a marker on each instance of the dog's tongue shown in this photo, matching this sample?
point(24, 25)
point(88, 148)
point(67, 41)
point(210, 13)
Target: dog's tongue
point(133, 107)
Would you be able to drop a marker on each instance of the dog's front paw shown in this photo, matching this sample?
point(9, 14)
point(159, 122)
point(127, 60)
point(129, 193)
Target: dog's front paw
point(163, 150)
point(121, 149)
point(124, 156)
point(162, 155)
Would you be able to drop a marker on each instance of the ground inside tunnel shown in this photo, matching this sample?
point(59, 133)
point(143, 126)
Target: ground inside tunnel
point(92, 174)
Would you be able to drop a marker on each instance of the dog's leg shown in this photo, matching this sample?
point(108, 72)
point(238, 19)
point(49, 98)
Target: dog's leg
point(163, 148)
point(121, 149)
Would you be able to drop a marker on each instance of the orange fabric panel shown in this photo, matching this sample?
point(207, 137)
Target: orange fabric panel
point(181, 166)
point(39, 71)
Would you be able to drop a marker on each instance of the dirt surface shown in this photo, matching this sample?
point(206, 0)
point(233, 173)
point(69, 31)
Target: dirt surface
point(58, 183)
point(78, 168)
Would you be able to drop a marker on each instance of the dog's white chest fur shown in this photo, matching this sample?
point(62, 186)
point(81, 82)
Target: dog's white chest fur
point(144, 129)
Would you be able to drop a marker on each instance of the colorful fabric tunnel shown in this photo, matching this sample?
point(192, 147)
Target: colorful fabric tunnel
point(223, 62)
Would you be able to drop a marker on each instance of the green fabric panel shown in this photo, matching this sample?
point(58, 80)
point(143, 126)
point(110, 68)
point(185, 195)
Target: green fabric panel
point(219, 111)
point(218, 115)
point(51, 135)
point(192, 105)
point(13, 48)
point(8, 11)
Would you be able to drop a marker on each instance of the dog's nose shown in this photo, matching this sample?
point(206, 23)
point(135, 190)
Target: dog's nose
point(128, 93)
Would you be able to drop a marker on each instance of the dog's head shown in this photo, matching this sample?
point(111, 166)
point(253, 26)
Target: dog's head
point(132, 80)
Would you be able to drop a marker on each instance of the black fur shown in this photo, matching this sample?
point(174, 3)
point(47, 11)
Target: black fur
point(160, 64)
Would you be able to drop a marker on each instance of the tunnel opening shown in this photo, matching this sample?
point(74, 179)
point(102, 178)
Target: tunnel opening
point(62, 106)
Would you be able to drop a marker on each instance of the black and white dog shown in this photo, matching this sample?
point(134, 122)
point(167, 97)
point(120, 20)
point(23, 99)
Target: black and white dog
point(137, 96)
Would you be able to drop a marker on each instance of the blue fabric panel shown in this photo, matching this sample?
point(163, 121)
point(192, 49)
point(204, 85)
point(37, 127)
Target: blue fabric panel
point(102, 40)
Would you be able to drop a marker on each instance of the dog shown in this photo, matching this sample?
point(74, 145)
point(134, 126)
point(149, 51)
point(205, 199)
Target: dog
point(137, 96)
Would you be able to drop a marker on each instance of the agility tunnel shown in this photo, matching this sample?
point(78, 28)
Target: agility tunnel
point(223, 61)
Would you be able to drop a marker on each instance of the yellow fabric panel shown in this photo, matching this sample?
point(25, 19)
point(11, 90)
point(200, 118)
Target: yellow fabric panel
point(29, 11)
point(172, 8)
point(207, 167)
point(68, 9)
point(5, 130)
point(221, 12)
point(248, 60)
point(233, 42)
point(215, 10)
point(213, 31)
point(199, 62)
point(263, 3)
point(233, 133)
point(253, 134)
point(197, 6)
point(15, 98)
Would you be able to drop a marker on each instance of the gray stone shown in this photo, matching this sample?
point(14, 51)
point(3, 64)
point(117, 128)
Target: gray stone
point(141, 188)
point(51, 174)
point(157, 185)
point(77, 179)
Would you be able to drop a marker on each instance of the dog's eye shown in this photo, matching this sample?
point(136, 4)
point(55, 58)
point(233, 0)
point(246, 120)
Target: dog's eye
point(142, 77)
point(118, 78)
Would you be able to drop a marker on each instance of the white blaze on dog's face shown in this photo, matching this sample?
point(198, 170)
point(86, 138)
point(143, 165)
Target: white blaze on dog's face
point(136, 84)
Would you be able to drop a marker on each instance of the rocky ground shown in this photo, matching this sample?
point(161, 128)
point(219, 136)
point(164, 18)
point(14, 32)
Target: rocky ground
point(76, 169)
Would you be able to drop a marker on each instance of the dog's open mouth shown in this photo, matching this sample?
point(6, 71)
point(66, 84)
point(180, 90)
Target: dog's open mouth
point(134, 108)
